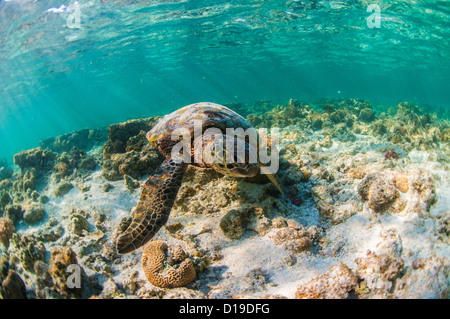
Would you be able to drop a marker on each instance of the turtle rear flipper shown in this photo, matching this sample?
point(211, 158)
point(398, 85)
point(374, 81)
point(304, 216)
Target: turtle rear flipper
point(153, 209)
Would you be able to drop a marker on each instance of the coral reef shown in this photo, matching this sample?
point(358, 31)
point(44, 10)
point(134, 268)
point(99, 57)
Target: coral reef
point(160, 270)
point(365, 213)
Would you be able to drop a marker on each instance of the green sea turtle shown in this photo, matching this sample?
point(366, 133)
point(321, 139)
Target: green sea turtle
point(161, 188)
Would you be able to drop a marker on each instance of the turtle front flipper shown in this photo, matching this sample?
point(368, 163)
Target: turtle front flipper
point(153, 209)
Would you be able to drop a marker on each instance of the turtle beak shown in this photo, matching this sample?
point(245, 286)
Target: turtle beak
point(274, 179)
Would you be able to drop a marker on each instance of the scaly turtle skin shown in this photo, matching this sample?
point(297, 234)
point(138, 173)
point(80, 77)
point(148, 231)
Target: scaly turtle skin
point(160, 190)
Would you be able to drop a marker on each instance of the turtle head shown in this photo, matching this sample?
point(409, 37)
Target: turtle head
point(236, 169)
point(231, 156)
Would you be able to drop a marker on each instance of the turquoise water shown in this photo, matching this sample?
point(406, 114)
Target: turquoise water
point(128, 59)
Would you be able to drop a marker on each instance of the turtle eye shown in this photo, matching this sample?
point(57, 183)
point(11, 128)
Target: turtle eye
point(230, 166)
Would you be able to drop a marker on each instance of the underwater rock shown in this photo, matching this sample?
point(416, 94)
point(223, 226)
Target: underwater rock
point(88, 163)
point(379, 190)
point(382, 191)
point(41, 160)
point(160, 269)
point(423, 190)
point(293, 236)
point(391, 243)
point(254, 280)
point(44, 282)
point(338, 116)
point(77, 158)
point(26, 180)
point(292, 176)
point(379, 128)
point(279, 116)
point(14, 212)
point(132, 163)
point(83, 187)
point(391, 155)
point(82, 139)
point(62, 189)
point(336, 202)
point(366, 115)
point(378, 274)
point(79, 224)
point(34, 214)
point(63, 169)
point(107, 187)
point(6, 230)
point(5, 199)
point(234, 221)
point(13, 287)
point(51, 232)
point(338, 283)
point(25, 250)
point(74, 163)
point(120, 133)
point(130, 183)
point(426, 278)
point(60, 260)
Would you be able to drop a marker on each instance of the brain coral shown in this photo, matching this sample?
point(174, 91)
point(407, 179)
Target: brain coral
point(167, 270)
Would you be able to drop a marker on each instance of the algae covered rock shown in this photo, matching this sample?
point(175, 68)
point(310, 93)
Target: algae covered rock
point(14, 212)
point(64, 264)
point(82, 139)
point(25, 250)
point(127, 151)
point(234, 221)
point(13, 287)
point(338, 283)
point(379, 273)
point(293, 236)
point(63, 188)
point(6, 230)
point(5, 199)
point(410, 191)
point(37, 158)
point(79, 224)
point(34, 214)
